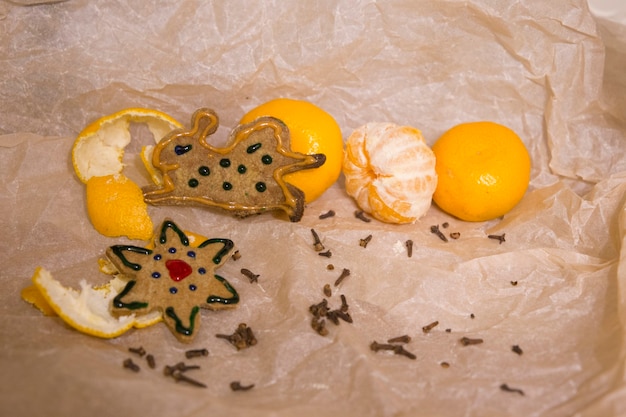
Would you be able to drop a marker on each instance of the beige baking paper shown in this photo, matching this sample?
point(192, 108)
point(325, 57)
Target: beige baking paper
point(554, 288)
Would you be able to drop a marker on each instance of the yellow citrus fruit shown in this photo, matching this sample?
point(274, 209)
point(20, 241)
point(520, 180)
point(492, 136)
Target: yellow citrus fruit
point(116, 207)
point(98, 150)
point(87, 309)
point(390, 172)
point(312, 131)
point(483, 169)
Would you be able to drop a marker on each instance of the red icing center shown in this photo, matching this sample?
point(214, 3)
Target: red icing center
point(179, 270)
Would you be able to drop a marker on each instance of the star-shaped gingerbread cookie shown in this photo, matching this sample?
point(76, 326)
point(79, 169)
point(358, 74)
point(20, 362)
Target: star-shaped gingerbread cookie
point(174, 277)
point(245, 177)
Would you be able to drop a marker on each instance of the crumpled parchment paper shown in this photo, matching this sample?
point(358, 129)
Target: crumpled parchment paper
point(554, 288)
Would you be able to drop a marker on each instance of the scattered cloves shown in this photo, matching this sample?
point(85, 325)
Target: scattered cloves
point(329, 213)
point(151, 361)
point(363, 242)
point(430, 326)
point(344, 274)
point(435, 230)
point(195, 353)
point(409, 247)
point(517, 349)
point(236, 255)
point(499, 238)
point(327, 291)
point(467, 341)
point(250, 275)
point(317, 243)
point(505, 387)
point(359, 214)
point(242, 338)
point(180, 376)
point(139, 351)
point(129, 364)
point(236, 386)
point(396, 349)
point(400, 339)
point(327, 254)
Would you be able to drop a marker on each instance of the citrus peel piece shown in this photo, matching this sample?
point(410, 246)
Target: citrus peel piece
point(87, 309)
point(99, 148)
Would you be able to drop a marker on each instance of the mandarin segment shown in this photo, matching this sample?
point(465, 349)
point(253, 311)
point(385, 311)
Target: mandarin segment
point(390, 172)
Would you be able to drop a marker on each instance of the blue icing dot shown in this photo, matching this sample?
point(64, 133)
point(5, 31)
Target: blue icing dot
point(157, 257)
point(193, 287)
point(180, 149)
point(191, 254)
point(172, 250)
point(173, 290)
point(201, 271)
point(156, 275)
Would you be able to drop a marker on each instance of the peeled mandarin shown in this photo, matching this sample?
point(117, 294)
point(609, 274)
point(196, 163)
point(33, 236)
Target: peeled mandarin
point(390, 172)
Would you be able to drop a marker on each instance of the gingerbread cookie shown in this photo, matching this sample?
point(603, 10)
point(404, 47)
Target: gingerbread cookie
point(174, 278)
point(245, 177)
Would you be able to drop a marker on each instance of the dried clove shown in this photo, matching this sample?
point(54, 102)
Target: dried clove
point(344, 303)
point(344, 274)
point(317, 243)
point(363, 242)
point(435, 230)
point(514, 283)
point(327, 254)
point(236, 255)
point(466, 341)
point(430, 326)
point(505, 387)
point(359, 214)
point(400, 350)
point(236, 386)
point(499, 238)
point(320, 309)
point(151, 361)
point(375, 346)
point(129, 364)
point(179, 367)
point(445, 225)
point(396, 349)
point(242, 338)
point(179, 376)
point(195, 353)
point(327, 291)
point(517, 349)
point(139, 351)
point(319, 325)
point(409, 247)
point(400, 339)
point(250, 275)
point(329, 213)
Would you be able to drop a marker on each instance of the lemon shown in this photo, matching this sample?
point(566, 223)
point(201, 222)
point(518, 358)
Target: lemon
point(312, 131)
point(116, 207)
point(99, 148)
point(87, 309)
point(390, 172)
point(483, 169)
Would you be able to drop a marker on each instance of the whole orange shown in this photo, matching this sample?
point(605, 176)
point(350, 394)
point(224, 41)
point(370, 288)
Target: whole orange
point(312, 131)
point(483, 171)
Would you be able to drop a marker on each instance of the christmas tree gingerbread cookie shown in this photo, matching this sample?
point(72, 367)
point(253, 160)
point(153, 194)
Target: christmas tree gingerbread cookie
point(173, 277)
point(245, 177)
